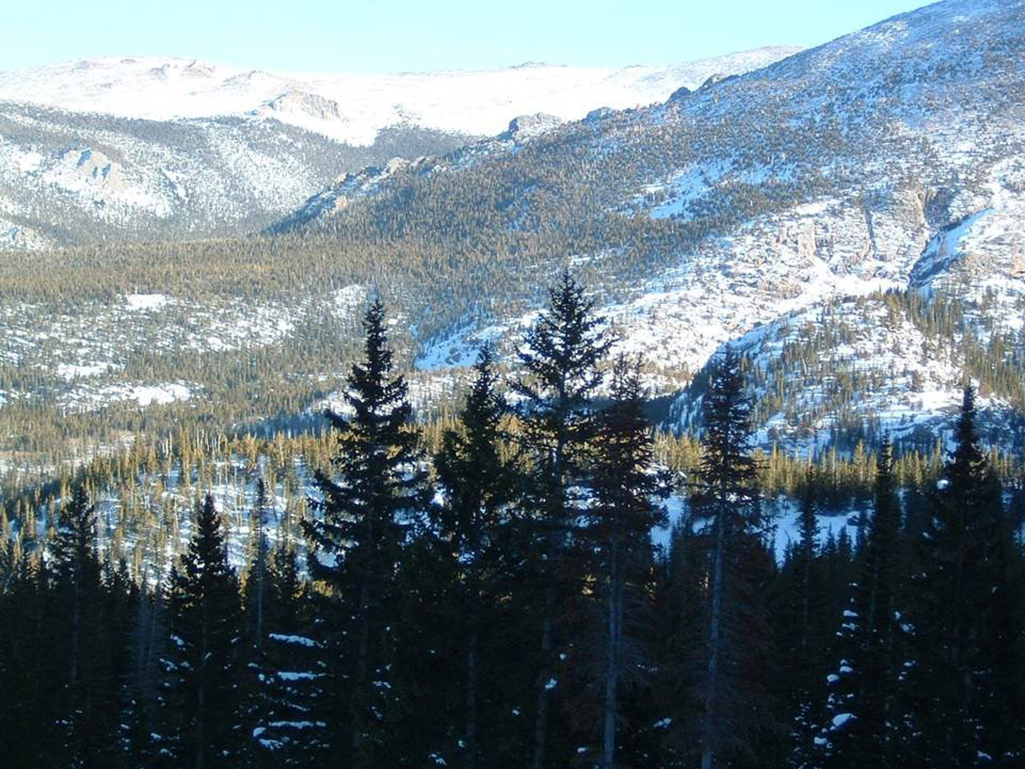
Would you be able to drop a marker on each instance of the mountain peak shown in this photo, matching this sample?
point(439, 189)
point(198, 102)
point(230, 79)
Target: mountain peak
point(355, 108)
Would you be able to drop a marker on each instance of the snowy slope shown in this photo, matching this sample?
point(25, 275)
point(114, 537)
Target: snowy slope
point(354, 108)
point(890, 158)
point(768, 210)
point(167, 148)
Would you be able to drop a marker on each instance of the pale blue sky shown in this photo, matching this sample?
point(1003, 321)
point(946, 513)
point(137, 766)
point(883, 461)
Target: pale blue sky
point(401, 35)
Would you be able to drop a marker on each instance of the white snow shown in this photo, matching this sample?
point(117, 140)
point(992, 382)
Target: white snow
point(86, 397)
point(291, 676)
point(294, 639)
point(162, 394)
point(137, 302)
point(71, 371)
point(354, 107)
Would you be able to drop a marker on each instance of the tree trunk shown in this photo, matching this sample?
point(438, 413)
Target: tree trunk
point(471, 701)
point(541, 716)
point(471, 660)
point(709, 726)
point(201, 690)
point(360, 679)
point(612, 663)
point(76, 621)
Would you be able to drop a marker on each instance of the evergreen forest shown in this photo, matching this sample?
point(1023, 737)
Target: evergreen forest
point(487, 588)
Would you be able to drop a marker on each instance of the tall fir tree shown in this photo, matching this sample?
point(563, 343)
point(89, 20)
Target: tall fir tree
point(801, 623)
point(285, 714)
point(731, 689)
point(255, 595)
point(560, 358)
point(86, 700)
point(864, 725)
point(957, 611)
point(26, 714)
point(366, 505)
point(205, 704)
point(617, 551)
point(474, 522)
point(143, 695)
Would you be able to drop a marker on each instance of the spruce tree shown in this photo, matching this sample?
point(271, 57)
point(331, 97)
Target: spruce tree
point(204, 652)
point(148, 638)
point(620, 559)
point(479, 486)
point(864, 725)
point(801, 621)
point(731, 688)
point(366, 504)
point(285, 709)
point(26, 712)
point(86, 701)
point(255, 596)
point(957, 608)
point(559, 357)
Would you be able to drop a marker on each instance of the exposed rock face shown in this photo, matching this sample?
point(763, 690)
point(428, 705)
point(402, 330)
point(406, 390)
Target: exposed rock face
point(715, 80)
point(306, 103)
point(199, 150)
point(91, 167)
point(527, 127)
point(17, 238)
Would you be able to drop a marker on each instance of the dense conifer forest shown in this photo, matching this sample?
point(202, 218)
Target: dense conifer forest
point(483, 588)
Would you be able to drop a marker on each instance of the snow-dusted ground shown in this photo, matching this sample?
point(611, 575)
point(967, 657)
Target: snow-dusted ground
point(89, 348)
point(784, 515)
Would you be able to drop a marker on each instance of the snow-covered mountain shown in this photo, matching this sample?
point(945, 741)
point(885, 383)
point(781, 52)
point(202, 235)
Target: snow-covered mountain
point(891, 158)
point(772, 210)
point(120, 148)
point(354, 108)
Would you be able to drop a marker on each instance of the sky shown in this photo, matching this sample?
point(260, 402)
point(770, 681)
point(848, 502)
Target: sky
point(422, 35)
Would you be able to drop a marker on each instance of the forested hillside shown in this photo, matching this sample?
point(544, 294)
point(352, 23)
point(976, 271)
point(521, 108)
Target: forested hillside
point(684, 433)
point(489, 592)
point(775, 211)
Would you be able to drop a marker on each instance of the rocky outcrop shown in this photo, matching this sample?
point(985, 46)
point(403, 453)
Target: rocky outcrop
point(306, 103)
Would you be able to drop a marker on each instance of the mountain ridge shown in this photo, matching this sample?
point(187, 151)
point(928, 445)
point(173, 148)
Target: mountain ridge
point(204, 150)
point(795, 211)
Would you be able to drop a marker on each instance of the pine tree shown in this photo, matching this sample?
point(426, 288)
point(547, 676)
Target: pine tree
point(735, 713)
point(256, 589)
point(357, 536)
point(26, 712)
point(85, 701)
point(286, 713)
point(148, 638)
point(956, 610)
point(863, 726)
point(479, 487)
point(560, 358)
point(619, 554)
point(800, 617)
point(680, 615)
point(205, 651)
point(1003, 644)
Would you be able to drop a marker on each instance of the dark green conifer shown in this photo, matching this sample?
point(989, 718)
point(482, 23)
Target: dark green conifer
point(619, 560)
point(957, 611)
point(730, 691)
point(479, 485)
point(369, 501)
point(559, 356)
point(863, 724)
point(205, 705)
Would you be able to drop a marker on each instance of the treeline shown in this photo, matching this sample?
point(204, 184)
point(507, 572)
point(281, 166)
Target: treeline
point(497, 601)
